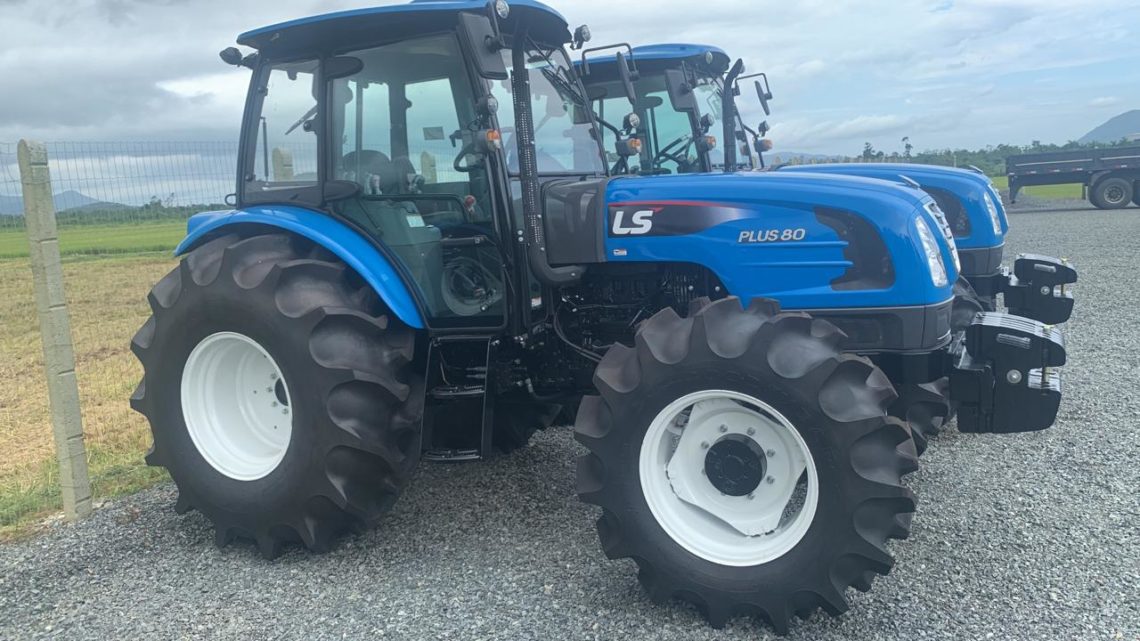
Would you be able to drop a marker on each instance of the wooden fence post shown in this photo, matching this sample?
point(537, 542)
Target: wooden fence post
point(55, 329)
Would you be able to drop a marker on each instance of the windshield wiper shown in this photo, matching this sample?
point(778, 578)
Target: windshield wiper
point(308, 114)
point(564, 87)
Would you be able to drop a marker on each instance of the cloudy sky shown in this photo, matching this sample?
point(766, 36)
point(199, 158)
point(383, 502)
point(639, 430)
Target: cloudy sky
point(944, 72)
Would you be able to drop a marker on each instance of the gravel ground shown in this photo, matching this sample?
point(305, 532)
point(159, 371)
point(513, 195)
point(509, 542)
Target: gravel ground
point(1031, 536)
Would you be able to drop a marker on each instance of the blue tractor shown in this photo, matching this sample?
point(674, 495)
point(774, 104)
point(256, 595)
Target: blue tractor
point(428, 256)
point(680, 88)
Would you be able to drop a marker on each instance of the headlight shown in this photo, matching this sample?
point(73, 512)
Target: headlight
point(933, 254)
point(947, 232)
point(991, 207)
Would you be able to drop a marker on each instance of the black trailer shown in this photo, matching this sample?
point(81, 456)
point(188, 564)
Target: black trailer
point(1111, 176)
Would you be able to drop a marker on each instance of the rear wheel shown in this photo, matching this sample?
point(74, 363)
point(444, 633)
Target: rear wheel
point(745, 463)
point(1112, 193)
point(279, 391)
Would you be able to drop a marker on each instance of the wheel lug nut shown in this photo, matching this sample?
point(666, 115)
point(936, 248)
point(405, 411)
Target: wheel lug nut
point(274, 403)
point(723, 429)
point(771, 453)
point(770, 480)
point(704, 445)
point(752, 496)
point(752, 431)
point(269, 389)
point(285, 411)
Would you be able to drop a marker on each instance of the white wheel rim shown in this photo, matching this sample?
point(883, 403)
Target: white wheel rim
point(726, 529)
point(236, 406)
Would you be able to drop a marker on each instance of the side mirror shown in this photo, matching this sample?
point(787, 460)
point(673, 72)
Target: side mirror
point(626, 78)
point(484, 42)
point(680, 92)
point(764, 92)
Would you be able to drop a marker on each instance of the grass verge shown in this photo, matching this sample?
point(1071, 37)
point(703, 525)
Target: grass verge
point(102, 240)
point(107, 300)
point(1045, 192)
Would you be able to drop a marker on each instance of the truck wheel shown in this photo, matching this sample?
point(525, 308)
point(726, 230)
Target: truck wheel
point(744, 463)
point(279, 391)
point(1112, 193)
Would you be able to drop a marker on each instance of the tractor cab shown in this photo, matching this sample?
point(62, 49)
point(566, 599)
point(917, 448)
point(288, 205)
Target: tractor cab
point(678, 101)
point(404, 122)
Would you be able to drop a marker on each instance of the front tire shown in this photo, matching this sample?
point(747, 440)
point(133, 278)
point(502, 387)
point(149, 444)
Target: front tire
point(745, 463)
point(279, 391)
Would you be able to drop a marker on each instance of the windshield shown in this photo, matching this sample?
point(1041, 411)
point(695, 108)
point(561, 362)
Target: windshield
point(565, 141)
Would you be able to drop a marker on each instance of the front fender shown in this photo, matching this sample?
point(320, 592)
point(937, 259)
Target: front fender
point(326, 231)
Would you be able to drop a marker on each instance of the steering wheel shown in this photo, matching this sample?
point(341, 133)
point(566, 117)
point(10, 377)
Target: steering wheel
point(458, 165)
point(667, 153)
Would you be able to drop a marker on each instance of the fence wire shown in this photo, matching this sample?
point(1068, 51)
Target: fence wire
point(107, 183)
point(121, 209)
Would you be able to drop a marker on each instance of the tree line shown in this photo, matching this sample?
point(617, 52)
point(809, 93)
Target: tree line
point(990, 159)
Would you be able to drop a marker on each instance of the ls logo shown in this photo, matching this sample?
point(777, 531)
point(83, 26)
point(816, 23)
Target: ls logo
point(640, 223)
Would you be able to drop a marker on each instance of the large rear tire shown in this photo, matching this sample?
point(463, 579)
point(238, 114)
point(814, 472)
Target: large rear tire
point(745, 463)
point(1112, 193)
point(279, 391)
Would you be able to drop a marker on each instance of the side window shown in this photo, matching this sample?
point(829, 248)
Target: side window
point(394, 122)
point(286, 153)
point(367, 126)
point(432, 119)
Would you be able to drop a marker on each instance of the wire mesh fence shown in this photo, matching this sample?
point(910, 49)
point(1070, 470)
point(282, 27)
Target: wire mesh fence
point(107, 183)
point(121, 208)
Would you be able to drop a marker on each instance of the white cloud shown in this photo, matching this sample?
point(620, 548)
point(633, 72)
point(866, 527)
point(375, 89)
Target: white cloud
point(1104, 101)
point(934, 69)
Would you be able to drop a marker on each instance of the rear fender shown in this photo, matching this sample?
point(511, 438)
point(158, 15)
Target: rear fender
point(340, 239)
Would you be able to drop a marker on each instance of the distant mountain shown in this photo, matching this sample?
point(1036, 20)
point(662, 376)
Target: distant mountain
point(64, 201)
point(1126, 125)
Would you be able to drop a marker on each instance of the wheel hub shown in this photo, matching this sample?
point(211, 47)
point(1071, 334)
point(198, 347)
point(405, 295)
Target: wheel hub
point(235, 403)
point(736, 465)
point(728, 477)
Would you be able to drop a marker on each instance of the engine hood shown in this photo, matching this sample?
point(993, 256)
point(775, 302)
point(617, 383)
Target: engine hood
point(959, 192)
point(814, 241)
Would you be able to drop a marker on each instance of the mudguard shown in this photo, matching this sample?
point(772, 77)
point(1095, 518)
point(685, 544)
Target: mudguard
point(774, 235)
point(340, 239)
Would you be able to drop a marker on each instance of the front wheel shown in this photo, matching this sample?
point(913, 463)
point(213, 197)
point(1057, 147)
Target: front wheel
point(279, 391)
point(745, 463)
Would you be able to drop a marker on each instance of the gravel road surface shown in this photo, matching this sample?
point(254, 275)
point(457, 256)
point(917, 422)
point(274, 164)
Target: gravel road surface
point(1032, 536)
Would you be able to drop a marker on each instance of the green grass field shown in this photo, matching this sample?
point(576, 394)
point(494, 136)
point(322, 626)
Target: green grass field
point(100, 240)
point(1046, 192)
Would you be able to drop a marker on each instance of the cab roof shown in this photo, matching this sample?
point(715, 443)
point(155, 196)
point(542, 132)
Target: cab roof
point(316, 32)
point(664, 54)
